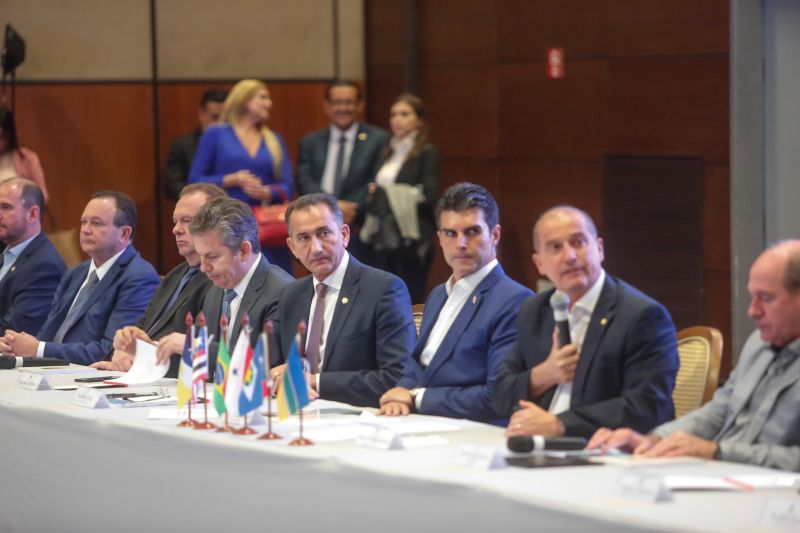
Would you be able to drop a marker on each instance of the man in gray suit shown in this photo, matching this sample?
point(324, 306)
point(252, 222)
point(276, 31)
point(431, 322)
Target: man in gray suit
point(225, 236)
point(755, 417)
point(341, 159)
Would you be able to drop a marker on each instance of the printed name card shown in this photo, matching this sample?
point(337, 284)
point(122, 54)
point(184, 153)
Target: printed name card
point(90, 398)
point(781, 513)
point(479, 457)
point(642, 486)
point(379, 438)
point(31, 381)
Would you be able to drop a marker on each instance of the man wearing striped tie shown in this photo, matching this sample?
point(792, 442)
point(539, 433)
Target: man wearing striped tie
point(97, 297)
point(181, 291)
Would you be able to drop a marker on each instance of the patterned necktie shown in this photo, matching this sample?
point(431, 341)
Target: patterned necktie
point(190, 272)
point(315, 335)
point(337, 176)
point(77, 307)
point(227, 298)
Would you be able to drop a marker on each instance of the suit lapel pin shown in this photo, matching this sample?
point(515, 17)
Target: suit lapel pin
point(474, 299)
point(13, 268)
point(345, 300)
point(362, 136)
point(603, 321)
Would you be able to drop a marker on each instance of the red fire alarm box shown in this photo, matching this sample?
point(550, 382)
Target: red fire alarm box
point(555, 63)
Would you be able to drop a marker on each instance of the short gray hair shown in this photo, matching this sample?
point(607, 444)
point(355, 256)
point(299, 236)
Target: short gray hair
point(233, 218)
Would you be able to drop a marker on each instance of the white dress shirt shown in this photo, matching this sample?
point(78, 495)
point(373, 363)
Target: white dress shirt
point(458, 292)
point(401, 148)
point(101, 272)
point(334, 282)
point(328, 183)
point(580, 314)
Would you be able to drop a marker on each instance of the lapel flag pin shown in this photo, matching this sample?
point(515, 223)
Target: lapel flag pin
point(345, 300)
point(362, 136)
point(14, 268)
point(474, 299)
point(603, 321)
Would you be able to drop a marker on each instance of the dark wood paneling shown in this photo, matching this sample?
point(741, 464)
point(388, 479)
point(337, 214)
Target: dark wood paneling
point(669, 106)
point(384, 83)
point(541, 118)
point(91, 137)
point(526, 28)
point(677, 27)
point(386, 32)
point(468, 37)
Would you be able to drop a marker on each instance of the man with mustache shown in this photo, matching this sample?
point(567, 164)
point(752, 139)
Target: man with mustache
point(619, 368)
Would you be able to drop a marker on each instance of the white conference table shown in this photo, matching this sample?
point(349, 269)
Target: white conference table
point(68, 468)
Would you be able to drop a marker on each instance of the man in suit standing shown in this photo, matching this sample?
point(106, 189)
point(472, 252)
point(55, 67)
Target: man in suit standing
point(225, 236)
point(342, 159)
point(182, 149)
point(619, 368)
point(755, 417)
point(469, 322)
point(182, 290)
point(97, 297)
point(360, 325)
point(30, 266)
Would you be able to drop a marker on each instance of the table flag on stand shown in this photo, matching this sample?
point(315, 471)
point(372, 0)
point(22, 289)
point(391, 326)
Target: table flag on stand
point(293, 390)
point(221, 373)
point(186, 371)
point(252, 395)
point(240, 361)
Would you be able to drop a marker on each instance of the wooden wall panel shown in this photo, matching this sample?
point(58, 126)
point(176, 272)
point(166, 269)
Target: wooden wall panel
point(467, 38)
point(92, 137)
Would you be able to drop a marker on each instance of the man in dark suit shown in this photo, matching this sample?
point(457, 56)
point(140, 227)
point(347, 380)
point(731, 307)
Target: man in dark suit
point(755, 417)
point(341, 159)
point(97, 297)
point(360, 325)
point(182, 149)
point(30, 266)
point(469, 322)
point(225, 236)
point(181, 291)
point(619, 368)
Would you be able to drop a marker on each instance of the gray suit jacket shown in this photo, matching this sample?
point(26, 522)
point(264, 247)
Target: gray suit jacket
point(260, 302)
point(773, 437)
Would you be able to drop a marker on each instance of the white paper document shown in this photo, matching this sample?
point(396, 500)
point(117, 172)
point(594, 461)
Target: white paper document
point(144, 368)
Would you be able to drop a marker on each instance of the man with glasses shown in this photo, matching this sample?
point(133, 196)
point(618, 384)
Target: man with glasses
point(340, 159)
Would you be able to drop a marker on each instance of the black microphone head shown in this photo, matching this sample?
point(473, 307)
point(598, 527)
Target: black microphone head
point(520, 444)
point(7, 362)
point(559, 301)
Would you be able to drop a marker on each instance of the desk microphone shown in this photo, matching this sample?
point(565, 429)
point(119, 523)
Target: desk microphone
point(12, 361)
point(525, 444)
point(559, 301)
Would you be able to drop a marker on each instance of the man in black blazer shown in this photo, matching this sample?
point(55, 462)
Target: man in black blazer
point(319, 168)
point(182, 149)
point(182, 290)
point(225, 236)
point(30, 266)
point(360, 325)
point(619, 368)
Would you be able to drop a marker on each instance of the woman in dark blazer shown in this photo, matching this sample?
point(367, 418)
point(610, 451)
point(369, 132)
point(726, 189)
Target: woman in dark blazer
point(410, 162)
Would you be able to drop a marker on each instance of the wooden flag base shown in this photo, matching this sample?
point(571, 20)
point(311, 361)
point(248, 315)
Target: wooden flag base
point(204, 425)
point(186, 423)
point(269, 435)
point(225, 429)
point(247, 430)
point(301, 441)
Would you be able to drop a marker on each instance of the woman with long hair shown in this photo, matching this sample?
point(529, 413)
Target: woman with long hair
point(408, 172)
point(246, 158)
point(16, 161)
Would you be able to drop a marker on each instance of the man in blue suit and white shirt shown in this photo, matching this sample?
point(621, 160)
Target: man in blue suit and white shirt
point(30, 266)
point(469, 323)
point(97, 297)
point(619, 368)
point(755, 417)
point(360, 325)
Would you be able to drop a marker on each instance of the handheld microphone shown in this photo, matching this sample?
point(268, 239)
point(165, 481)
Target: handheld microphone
point(12, 361)
point(559, 301)
point(525, 444)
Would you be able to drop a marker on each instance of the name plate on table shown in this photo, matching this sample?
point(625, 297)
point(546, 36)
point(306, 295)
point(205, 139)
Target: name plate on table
point(479, 457)
point(781, 513)
point(89, 397)
point(642, 486)
point(31, 381)
point(380, 438)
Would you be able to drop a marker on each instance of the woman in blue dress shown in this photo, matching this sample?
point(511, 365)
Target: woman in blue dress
point(246, 158)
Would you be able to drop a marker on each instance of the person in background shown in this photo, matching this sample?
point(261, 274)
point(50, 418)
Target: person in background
point(182, 149)
point(401, 226)
point(16, 161)
point(341, 159)
point(246, 158)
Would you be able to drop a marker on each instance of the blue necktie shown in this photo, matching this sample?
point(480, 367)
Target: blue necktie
point(181, 284)
point(227, 298)
point(77, 307)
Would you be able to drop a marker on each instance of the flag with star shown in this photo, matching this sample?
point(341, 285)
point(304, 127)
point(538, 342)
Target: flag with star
point(221, 372)
point(253, 385)
point(293, 391)
point(240, 361)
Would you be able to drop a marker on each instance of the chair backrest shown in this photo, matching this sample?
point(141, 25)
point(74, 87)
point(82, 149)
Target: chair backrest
point(700, 352)
point(68, 245)
point(418, 309)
